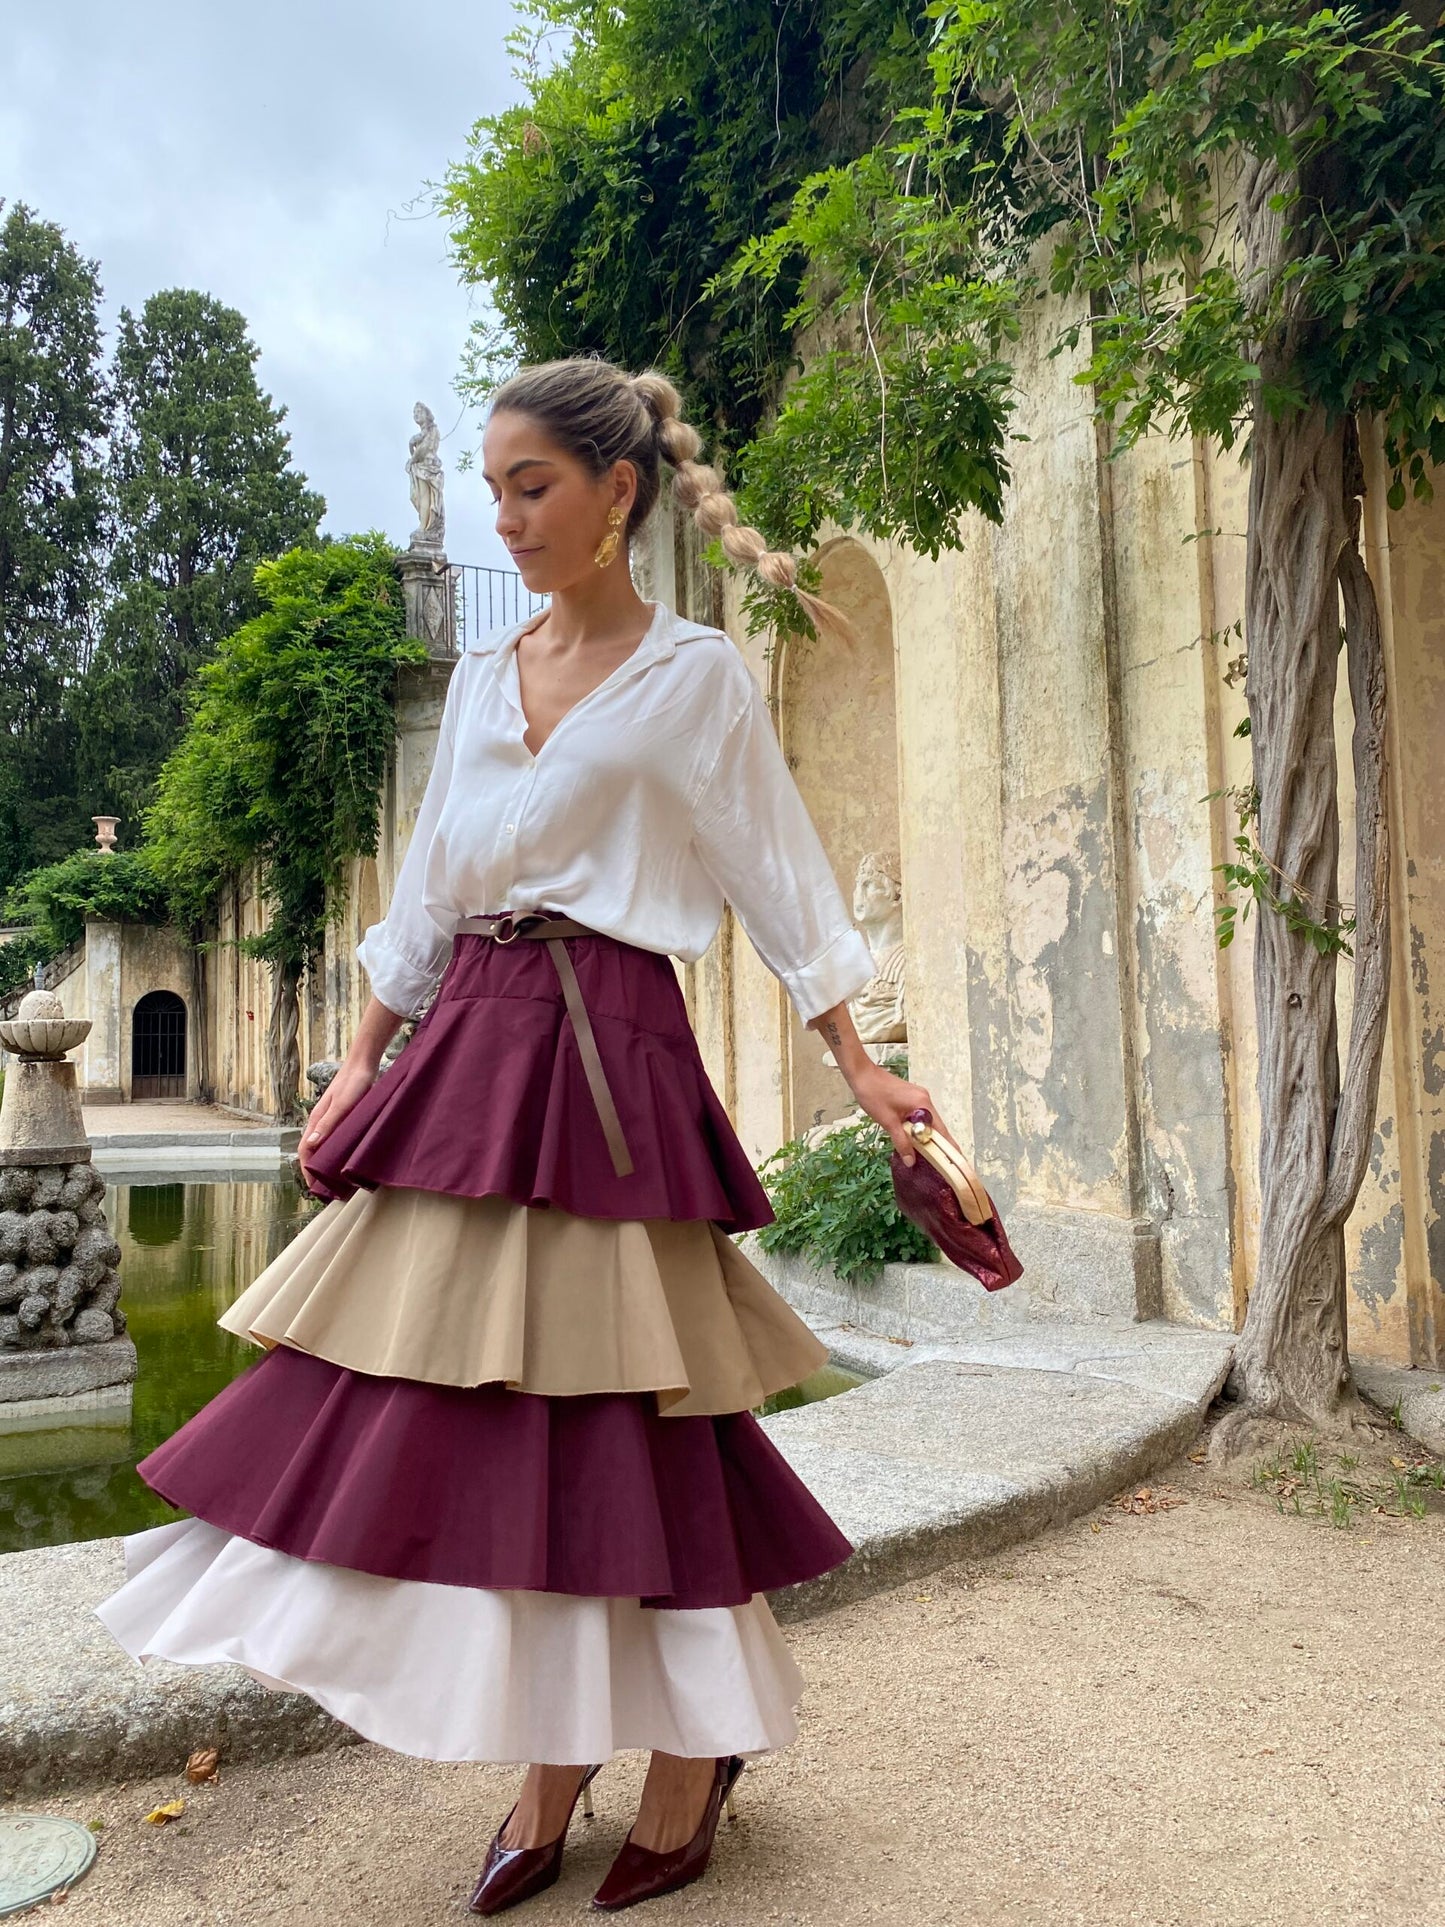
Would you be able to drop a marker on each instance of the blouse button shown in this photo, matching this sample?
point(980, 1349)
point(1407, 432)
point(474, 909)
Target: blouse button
point(511, 827)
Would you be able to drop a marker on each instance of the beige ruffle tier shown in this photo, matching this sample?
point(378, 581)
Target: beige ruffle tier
point(479, 1291)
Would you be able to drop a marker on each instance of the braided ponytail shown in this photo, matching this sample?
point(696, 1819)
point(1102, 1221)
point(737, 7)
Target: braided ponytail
point(700, 489)
point(602, 415)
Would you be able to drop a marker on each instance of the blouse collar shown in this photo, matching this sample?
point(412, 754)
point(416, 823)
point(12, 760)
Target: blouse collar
point(660, 639)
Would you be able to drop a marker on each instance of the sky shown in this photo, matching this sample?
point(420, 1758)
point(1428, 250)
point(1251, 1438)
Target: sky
point(276, 156)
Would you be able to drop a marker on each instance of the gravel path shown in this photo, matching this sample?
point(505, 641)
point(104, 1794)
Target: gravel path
point(1212, 1713)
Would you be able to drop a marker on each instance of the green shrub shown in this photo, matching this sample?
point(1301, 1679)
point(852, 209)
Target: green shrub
point(835, 1206)
point(56, 900)
point(285, 753)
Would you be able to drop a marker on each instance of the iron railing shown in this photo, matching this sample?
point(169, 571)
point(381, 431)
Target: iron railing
point(488, 599)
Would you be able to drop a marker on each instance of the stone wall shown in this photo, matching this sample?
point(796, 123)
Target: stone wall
point(121, 963)
point(1064, 703)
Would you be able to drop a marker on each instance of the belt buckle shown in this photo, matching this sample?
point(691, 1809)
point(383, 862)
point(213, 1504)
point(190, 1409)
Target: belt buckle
point(509, 924)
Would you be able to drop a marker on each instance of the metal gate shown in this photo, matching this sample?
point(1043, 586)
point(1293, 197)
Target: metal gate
point(158, 1046)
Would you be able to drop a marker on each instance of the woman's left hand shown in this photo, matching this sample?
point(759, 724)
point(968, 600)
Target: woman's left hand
point(889, 1100)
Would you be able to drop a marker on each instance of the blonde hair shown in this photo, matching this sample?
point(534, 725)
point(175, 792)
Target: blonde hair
point(601, 415)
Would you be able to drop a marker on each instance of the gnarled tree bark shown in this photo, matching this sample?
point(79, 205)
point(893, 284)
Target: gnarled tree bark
point(283, 1048)
point(1304, 562)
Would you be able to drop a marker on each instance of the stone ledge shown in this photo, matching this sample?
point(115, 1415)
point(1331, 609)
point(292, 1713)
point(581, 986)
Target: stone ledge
point(74, 1708)
point(937, 1302)
point(940, 1458)
point(1419, 1394)
point(73, 1370)
point(274, 1137)
point(948, 1459)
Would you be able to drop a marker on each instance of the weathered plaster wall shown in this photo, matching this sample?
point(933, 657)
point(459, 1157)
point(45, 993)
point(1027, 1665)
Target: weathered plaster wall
point(839, 731)
point(1067, 693)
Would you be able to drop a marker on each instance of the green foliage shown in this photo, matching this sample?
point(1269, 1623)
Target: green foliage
point(18, 958)
point(56, 900)
point(834, 1204)
point(1123, 134)
point(54, 408)
point(1249, 877)
point(1299, 1481)
point(665, 135)
point(204, 492)
point(285, 752)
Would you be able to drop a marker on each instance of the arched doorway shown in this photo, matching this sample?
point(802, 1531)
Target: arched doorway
point(158, 1046)
point(839, 731)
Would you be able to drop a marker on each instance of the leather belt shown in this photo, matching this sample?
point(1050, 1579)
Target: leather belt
point(542, 928)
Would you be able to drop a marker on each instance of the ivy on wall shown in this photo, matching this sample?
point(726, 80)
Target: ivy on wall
point(50, 907)
point(286, 749)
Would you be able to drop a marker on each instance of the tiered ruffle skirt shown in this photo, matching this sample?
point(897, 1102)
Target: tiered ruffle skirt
point(494, 1490)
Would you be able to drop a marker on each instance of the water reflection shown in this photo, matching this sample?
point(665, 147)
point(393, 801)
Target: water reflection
point(156, 1213)
point(187, 1251)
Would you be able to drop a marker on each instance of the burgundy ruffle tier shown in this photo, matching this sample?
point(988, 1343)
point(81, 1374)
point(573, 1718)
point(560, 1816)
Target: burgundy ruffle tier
point(490, 1097)
point(594, 1495)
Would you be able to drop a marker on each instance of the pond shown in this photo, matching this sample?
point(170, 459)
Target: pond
point(188, 1250)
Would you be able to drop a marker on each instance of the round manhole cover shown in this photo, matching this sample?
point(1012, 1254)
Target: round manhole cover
point(38, 1855)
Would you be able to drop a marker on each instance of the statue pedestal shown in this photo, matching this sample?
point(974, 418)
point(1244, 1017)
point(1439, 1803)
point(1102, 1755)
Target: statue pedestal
point(426, 587)
point(40, 1116)
point(64, 1355)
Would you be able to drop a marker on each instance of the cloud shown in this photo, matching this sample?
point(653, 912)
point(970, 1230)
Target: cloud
point(276, 156)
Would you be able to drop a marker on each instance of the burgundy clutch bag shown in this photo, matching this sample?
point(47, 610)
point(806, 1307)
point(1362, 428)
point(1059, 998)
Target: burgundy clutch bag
point(940, 1192)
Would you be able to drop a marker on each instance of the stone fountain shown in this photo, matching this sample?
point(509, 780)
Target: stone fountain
point(63, 1349)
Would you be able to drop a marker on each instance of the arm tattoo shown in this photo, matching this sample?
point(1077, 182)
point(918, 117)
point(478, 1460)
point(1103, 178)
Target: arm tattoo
point(833, 1035)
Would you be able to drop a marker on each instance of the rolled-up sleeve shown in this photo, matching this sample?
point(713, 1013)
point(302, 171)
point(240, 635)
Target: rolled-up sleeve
point(407, 951)
point(753, 834)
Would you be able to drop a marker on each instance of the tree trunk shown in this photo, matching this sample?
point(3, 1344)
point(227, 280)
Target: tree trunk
point(200, 1027)
point(1292, 1361)
point(283, 1050)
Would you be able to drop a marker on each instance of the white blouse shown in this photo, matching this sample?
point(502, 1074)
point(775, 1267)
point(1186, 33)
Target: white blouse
point(658, 795)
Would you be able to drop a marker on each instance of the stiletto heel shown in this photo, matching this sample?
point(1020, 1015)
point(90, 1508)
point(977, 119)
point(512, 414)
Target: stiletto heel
point(513, 1874)
point(639, 1874)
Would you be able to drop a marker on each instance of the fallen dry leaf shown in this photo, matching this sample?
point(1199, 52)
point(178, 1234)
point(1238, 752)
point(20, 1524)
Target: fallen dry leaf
point(172, 1810)
point(1149, 1499)
point(202, 1764)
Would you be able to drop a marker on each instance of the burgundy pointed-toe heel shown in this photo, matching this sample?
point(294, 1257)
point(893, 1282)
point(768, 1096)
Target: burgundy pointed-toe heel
point(511, 1875)
point(639, 1874)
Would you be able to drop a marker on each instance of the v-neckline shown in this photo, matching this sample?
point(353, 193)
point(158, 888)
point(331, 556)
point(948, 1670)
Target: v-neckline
point(516, 669)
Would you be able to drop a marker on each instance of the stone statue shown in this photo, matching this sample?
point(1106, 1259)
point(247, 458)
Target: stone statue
point(879, 1008)
point(424, 470)
point(879, 1011)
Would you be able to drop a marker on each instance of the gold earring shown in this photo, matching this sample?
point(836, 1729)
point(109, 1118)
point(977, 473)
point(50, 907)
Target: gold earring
point(611, 542)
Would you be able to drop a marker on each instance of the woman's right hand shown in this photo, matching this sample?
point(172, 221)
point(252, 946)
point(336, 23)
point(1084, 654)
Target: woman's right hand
point(347, 1088)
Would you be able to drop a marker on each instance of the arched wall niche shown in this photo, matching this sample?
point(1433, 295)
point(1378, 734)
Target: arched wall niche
point(838, 725)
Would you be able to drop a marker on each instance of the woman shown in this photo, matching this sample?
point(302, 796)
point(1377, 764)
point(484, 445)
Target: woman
point(494, 1491)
